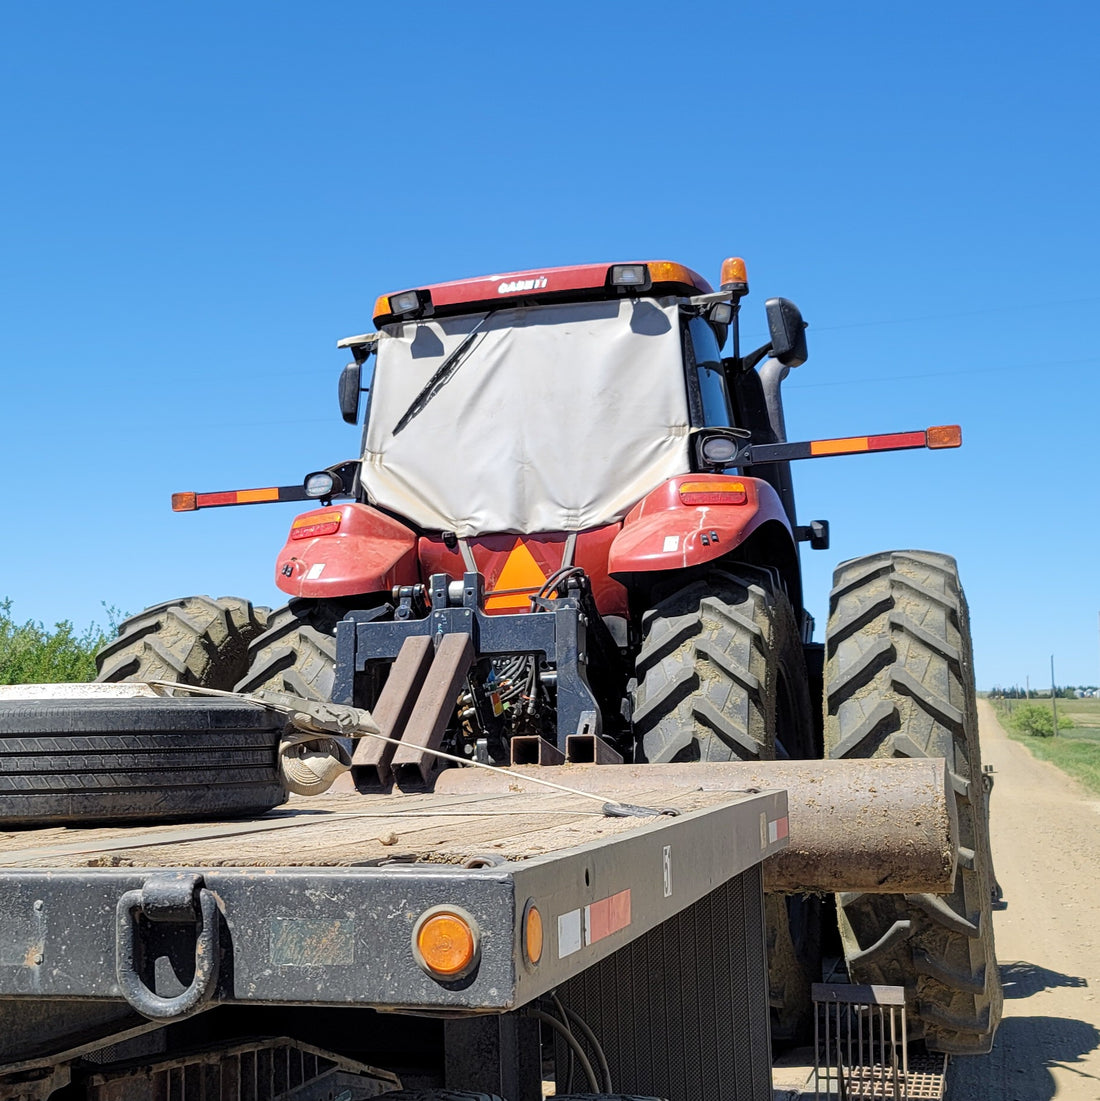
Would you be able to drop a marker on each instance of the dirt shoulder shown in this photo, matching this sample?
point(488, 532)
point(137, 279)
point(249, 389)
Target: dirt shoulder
point(1046, 850)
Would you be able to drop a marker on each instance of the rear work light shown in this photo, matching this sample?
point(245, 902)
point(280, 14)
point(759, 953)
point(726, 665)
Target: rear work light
point(404, 305)
point(309, 527)
point(713, 493)
point(630, 276)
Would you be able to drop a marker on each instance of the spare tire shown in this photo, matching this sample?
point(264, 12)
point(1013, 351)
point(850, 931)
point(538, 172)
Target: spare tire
point(83, 761)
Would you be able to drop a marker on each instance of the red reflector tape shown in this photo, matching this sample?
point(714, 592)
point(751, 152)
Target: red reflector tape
point(895, 440)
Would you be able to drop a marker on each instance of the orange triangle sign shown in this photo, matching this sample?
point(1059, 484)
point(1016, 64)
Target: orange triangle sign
point(521, 571)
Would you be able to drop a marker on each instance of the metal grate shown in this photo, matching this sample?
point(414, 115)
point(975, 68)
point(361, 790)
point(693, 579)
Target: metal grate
point(861, 1047)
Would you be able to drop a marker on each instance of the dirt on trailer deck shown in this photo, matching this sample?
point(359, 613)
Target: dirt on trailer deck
point(1046, 850)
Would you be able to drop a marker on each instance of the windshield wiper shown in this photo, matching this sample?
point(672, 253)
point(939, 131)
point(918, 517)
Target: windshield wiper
point(442, 374)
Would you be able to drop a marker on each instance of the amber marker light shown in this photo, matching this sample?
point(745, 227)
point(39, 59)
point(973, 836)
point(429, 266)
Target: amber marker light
point(445, 942)
point(944, 435)
point(713, 493)
point(309, 527)
point(184, 502)
point(532, 934)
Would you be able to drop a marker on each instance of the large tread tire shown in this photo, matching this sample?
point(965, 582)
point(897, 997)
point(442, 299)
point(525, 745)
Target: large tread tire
point(194, 640)
point(721, 676)
point(85, 761)
point(900, 683)
point(297, 652)
point(717, 659)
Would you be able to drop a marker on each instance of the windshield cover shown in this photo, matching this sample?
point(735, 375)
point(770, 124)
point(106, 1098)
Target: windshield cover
point(553, 418)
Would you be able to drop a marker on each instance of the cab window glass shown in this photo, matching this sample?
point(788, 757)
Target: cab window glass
point(708, 376)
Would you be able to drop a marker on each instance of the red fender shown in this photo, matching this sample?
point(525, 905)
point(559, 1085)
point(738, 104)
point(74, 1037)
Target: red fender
point(667, 530)
point(346, 550)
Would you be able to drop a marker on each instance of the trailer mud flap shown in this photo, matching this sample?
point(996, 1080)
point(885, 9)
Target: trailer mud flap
point(168, 899)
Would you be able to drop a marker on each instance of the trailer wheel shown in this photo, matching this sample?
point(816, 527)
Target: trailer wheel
point(194, 640)
point(297, 651)
point(721, 676)
point(94, 760)
point(900, 683)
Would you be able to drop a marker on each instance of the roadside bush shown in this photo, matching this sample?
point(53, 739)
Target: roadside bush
point(1037, 721)
point(32, 654)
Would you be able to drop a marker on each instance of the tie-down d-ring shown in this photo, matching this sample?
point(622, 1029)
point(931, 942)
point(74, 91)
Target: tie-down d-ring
point(168, 898)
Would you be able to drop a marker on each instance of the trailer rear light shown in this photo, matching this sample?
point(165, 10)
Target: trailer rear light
point(445, 942)
point(944, 435)
point(734, 276)
point(532, 934)
point(309, 527)
point(630, 275)
point(184, 502)
point(713, 493)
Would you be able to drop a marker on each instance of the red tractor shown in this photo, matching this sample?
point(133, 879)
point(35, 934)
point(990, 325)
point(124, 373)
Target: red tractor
point(572, 526)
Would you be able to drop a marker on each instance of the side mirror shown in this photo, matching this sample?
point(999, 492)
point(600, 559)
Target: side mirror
point(787, 330)
point(350, 389)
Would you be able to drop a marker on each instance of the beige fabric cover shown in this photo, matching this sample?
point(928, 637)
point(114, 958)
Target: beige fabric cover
point(560, 418)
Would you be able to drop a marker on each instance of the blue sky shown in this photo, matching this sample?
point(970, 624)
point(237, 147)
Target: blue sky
point(199, 199)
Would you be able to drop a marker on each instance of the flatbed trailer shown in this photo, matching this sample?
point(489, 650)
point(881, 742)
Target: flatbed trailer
point(126, 950)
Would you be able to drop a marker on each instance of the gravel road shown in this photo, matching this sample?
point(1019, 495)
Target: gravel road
point(1046, 849)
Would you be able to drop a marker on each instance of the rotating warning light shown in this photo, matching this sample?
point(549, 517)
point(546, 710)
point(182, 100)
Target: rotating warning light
point(734, 275)
point(445, 942)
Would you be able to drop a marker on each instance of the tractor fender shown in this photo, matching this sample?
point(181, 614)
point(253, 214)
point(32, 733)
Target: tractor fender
point(692, 519)
point(346, 550)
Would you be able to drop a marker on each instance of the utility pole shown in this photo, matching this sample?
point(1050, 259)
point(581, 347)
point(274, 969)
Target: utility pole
point(1027, 687)
point(1053, 696)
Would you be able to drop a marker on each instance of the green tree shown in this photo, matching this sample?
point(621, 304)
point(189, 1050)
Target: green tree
point(1037, 721)
point(30, 653)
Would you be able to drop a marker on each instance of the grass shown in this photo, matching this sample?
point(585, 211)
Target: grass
point(1075, 750)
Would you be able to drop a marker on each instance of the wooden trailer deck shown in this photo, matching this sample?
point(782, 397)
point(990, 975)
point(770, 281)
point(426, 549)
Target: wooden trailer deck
point(352, 830)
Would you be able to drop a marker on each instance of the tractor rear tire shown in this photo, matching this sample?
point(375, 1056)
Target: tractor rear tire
point(721, 676)
point(900, 683)
point(85, 761)
point(194, 640)
point(297, 651)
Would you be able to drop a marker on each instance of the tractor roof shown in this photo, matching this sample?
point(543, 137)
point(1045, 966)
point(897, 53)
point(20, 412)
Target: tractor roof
point(576, 282)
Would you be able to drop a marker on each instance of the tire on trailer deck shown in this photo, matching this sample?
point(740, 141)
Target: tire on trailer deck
point(193, 640)
point(297, 651)
point(900, 683)
point(91, 760)
point(721, 676)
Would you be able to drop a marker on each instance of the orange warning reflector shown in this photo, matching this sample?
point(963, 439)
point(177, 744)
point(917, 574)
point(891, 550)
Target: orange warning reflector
point(183, 502)
point(713, 493)
point(532, 933)
point(445, 941)
point(945, 435)
point(521, 572)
